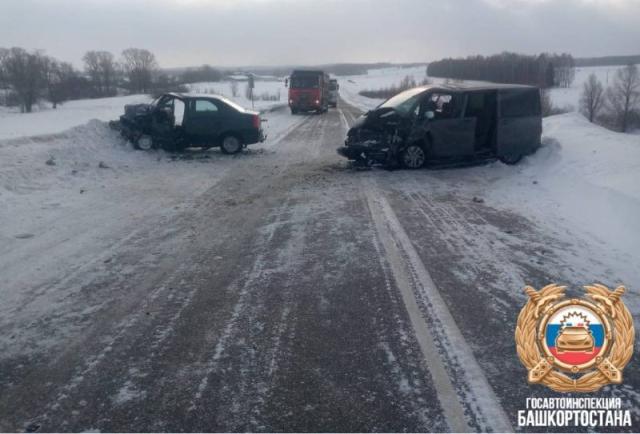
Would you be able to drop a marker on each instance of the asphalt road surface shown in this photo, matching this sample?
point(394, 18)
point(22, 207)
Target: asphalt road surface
point(296, 294)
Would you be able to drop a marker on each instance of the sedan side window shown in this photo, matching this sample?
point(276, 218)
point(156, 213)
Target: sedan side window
point(205, 106)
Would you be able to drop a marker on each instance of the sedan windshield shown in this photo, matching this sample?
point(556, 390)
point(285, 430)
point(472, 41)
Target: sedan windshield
point(403, 102)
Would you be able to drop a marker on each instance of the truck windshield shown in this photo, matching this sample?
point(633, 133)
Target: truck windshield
point(305, 82)
point(403, 102)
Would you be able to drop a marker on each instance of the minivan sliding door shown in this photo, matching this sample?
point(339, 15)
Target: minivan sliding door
point(520, 121)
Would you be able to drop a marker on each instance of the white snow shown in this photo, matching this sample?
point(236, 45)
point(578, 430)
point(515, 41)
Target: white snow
point(569, 98)
point(73, 209)
point(46, 120)
point(273, 89)
point(376, 79)
point(587, 182)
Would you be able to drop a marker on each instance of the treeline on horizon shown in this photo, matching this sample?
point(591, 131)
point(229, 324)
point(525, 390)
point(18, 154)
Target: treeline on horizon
point(607, 61)
point(544, 70)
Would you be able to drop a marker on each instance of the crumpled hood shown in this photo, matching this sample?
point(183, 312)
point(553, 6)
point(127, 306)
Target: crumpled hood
point(135, 110)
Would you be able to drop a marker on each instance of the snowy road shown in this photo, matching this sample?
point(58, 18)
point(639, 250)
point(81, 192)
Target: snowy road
point(275, 291)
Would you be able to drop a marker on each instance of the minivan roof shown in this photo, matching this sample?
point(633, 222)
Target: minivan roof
point(307, 71)
point(477, 85)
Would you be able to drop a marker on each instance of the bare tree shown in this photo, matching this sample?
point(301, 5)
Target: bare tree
point(60, 78)
point(24, 72)
point(592, 97)
point(4, 53)
point(624, 95)
point(565, 71)
point(139, 65)
point(102, 70)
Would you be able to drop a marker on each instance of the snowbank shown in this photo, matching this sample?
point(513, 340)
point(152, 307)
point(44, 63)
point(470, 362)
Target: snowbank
point(70, 114)
point(585, 181)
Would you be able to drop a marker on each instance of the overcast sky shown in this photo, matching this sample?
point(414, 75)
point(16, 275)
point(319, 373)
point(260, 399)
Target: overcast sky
point(276, 32)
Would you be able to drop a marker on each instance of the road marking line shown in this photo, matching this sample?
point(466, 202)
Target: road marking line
point(343, 118)
point(409, 273)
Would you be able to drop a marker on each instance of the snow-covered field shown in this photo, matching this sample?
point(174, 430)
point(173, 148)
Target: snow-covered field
point(45, 120)
point(274, 90)
point(373, 80)
point(569, 98)
point(584, 185)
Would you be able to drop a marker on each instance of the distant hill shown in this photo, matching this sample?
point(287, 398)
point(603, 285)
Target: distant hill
point(608, 60)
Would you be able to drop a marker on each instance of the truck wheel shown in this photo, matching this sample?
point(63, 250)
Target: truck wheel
point(144, 142)
point(231, 144)
point(511, 159)
point(294, 111)
point(413, 157)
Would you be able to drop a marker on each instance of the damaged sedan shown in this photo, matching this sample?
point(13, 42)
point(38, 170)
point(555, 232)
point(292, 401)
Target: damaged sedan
point(175, 122)
point(448, 123)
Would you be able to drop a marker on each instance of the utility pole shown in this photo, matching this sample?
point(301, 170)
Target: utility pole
point(251, 87)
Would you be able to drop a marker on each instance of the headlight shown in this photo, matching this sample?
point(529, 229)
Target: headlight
point(317, 102)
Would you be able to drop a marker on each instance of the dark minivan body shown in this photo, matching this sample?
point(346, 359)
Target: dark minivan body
point(448, 123)
point(176, 121)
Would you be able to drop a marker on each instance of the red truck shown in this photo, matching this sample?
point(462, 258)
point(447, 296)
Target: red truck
point(309, 91)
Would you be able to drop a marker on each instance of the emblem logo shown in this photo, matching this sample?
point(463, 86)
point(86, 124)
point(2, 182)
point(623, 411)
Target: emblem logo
point(575, 345)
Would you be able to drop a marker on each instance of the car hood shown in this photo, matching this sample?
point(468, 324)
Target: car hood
point(136, 110)
point(375, 120)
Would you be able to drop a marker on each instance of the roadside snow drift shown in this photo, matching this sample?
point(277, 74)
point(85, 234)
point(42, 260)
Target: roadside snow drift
point(585, 178)
point(14, 124)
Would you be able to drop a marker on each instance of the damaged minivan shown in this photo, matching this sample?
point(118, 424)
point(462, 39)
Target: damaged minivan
point(177, 121)
point(448, 123)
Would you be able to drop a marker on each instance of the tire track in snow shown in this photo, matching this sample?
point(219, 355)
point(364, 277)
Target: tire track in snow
point(412, 277)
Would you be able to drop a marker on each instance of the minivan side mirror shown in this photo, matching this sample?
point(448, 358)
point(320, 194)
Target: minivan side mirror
point(430, 114)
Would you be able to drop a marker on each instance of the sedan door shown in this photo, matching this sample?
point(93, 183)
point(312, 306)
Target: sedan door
point(452, 135)
point(203, 124)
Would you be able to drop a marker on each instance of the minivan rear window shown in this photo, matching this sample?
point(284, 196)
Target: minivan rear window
point(516, 103)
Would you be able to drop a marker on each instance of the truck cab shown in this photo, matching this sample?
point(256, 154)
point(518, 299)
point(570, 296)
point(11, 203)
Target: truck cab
point(308, 91)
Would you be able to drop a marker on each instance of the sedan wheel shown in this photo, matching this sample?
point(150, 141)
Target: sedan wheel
point(144, 142)
point(413, 157)
point(231, 145)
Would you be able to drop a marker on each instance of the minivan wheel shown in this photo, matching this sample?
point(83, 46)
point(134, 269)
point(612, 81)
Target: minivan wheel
point(231, 145)
point(144, 142)
point(413, 157)
point(511, 159)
